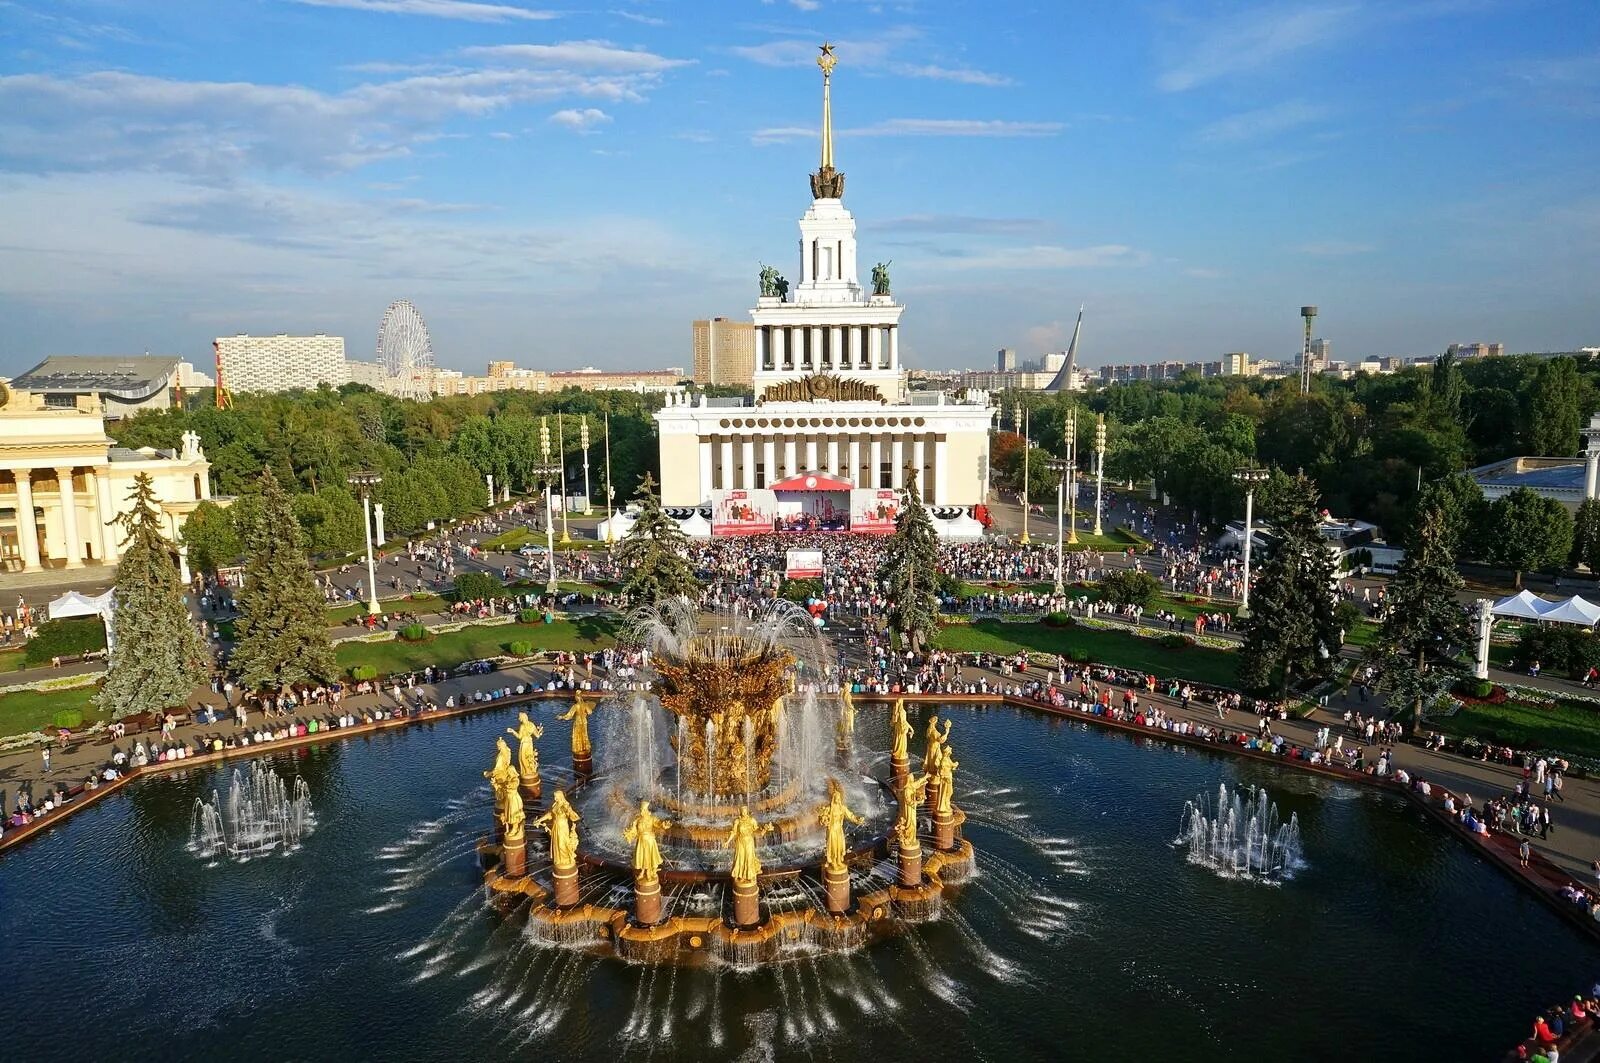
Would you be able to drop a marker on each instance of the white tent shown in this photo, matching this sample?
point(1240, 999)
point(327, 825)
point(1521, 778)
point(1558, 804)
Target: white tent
point(964, 527)
point(619, 526)
point(1574, 610)
point(73, 604)
point(1524, 605)
point(695, 526)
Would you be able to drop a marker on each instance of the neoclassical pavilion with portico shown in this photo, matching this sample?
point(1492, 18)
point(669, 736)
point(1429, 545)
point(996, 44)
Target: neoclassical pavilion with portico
point(63, 482)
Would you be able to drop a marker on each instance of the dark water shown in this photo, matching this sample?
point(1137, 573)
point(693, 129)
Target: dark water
point(1086, 936)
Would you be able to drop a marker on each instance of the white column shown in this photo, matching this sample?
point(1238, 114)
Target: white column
point(205, 485)
point(833, 455)
point(816, 348)
point(769, 450)
point(727, 463)
point(858, 342)
point(1484, 615)
point(705, 471)
point(780, 335)
point(377, 515)
point(874, 345)
point(918, 455)
point(940, 491)
point(875, 456)
point(488, 479)
point(1591, 472)
point(761, 346)
point(747, 478)
point(110, 532)
point(27, 530)
point(894, 347)
point(183, 564)
point(811, 453)
point(836, 346)
point(897, 459)
point(69, 519)
point(789, 457)
point(855, 462)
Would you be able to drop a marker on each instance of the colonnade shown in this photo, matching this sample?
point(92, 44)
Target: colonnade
point(877, 460)
point(827, 348)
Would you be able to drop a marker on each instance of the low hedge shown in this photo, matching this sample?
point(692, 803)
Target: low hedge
point(414, 633)
point(68, 719)
point(529, 616)
point(522, 648)
point(364, 671)
point(1059, 619)
point(65, 638)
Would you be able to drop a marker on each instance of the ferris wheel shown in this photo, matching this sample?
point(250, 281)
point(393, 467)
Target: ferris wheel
point(405, 351)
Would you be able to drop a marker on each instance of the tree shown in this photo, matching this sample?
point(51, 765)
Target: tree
point(910, 564)
point(1553, 416)
point(282, 630)
point(472, 586)
point(157, 654)
point(211, 537)
point(1458, 501)
point(1292, 631)
point(654, 553)
point(1128, 587)
point(1523, 531)
point(1423, 623)
point(1586, 536)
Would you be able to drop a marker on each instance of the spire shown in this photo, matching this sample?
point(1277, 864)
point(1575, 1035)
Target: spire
point(1063, 378)
point(827, 183)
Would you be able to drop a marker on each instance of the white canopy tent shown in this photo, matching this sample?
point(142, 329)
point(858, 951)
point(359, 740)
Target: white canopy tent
point(1524, 605)
point(960, 528)
point(695, 526)
point(615, 529)
point(73, 604)
point(1574, 610)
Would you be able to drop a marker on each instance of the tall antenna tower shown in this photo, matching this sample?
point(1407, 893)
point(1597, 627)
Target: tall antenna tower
point(1309, 313)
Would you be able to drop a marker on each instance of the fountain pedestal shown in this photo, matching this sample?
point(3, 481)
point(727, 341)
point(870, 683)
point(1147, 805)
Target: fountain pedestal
point(565, 880)
point(899, 768)
point(532, 790)
point(911, 865)
point(583, 766)
point(932, 800)
point(836, 885)
point(746, 905)
point(646, 902)
point(514, 858)
point(944, 830)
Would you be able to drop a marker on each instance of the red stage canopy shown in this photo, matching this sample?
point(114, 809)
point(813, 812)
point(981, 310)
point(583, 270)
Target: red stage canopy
point(810, 481)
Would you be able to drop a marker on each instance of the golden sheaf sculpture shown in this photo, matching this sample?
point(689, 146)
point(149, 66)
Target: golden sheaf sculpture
point(822, 386)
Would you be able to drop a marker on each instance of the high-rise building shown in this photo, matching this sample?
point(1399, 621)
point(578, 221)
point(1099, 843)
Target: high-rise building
point(281, 362)
point(1236, 363)
point(1477, 350)
point(1006, 360)
point(1321, 354)
point(724, 352)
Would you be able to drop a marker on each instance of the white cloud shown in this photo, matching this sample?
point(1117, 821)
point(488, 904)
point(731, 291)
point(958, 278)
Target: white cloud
point(882, 52)
point(643, 20)
point(580, 55)
point(461, 10)
point(962, 75)
point(1216, 48)
point(1263, 122)
point(806, 5)
point(582, 120)
point(916, 127)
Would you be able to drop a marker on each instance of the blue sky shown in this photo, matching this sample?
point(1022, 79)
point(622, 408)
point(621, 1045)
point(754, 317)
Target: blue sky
point(568, 186)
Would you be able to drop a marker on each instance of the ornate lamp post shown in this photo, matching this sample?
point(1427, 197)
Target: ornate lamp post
point(1026, 446)
point(364, 482)
point(1099, 466)
point(583, 442)
point(1072, 475)
point(546, 470)
point(1251, 477)
point(561, 481)
point(610, 493)
point(1062, 469)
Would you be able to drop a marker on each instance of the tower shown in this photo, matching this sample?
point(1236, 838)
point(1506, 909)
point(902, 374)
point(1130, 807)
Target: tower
point(1309, 313)
point(1063, 377)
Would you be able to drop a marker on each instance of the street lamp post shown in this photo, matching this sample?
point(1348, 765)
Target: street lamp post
point(583, 442)
point(561, 479)
point(1250, 477)
point(1072, 475)
point(610, 494)
point(1099, 466)
point(1060, 468)
point(364, 482)
point(546, 469)
point(1025, 449)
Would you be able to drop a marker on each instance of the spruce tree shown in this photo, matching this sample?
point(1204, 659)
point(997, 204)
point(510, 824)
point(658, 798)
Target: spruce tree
point(1586, 536)
point(654, 553)
point(1292, 632)
point(157, 655)
point(1415, 652)
point(282, 630)
point(909, 574)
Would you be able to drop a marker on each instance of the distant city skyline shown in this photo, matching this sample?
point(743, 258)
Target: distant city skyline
point(574, 188)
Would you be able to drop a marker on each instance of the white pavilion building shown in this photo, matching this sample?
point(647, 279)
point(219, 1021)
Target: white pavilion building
point(831, 403)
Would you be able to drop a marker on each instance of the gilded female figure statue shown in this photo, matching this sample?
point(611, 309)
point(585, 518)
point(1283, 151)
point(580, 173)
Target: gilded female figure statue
point(527, 755)
point(579, 715)
point(947, 777)
point(742, 841)
point(899, 732)
point(833, 816)
point(912, 791)
point(514, 817)
point(498, 775)
point(930, 758)
point(641, 834)
point(847, 714)
point(561, 821)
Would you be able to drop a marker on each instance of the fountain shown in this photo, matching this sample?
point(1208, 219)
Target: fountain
point(723, 813)
point(1242, 837)
point(262, 813)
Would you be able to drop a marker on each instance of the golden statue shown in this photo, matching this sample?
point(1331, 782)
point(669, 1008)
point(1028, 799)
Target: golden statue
point(527, 754)
point(947, 778)
point(499, 775)
point(912, 790)
point(742, 840)
point(514, 817)
point(847, 714)
point(579, 715)
point(561, 821)
point(899, 731)
point(930, 758)
point(833, 817)
point(641, 834)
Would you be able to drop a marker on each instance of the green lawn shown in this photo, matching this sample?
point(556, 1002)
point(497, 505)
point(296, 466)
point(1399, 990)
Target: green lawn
point(13, 661)
point(508, 540)
point(453, 647)
point(1116, 648)
point(1364, 633)
point(1565, 728)
point(421, 603)
point(31, 710)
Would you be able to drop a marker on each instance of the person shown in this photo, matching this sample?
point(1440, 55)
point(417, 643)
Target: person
point(1541, 1031)
point(1524, 851)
